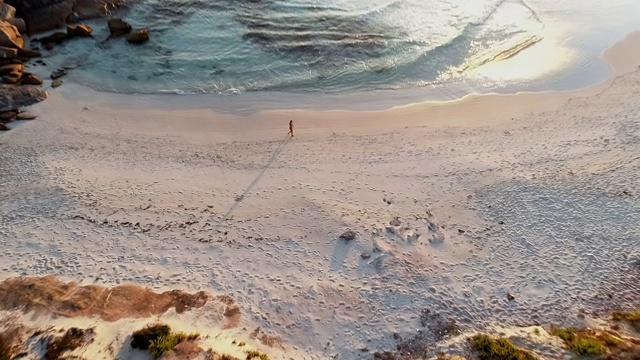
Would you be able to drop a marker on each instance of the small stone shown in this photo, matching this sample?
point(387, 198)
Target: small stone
point(58, 74)
point(138, 36)
point(48, 46)
point(78, 30)
point(365, 255)
point(510, 297)
point(348, 235)
point(395, 222)
point(461, 231)
point(26, 115)
point(56, 82)
point(3, 127)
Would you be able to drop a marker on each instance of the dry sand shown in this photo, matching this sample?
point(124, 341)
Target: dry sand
point(455, 205)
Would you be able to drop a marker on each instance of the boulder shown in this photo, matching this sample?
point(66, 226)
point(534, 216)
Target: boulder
point(3, 127)
point(11, 68)
point(7, 11)
point(8, 53)
point(118, 27)
point(14, 97)
point(19, 24)
point(8, 116)
point(88, 9)
point(56, 37)
point(348, 235)
point(28, 53)
point(10, 36)
point(55, 83)
point(138, 36)
point(31, 79)
point(12, 78)
point(78, 30)
point(58, 74)
point(43, 15)
point(25, 115)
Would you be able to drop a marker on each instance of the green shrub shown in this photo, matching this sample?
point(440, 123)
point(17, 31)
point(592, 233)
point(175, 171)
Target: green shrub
point(627, 316)
point(566, 334)
point(587, 346)
point(164, 344)
point(142, 338)
point(489, 348)
point(252, 354)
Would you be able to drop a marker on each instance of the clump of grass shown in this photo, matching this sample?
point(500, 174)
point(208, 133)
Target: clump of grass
point(159, 339)
point(6, 348)
point(489, 348)
point(71, 340)
point(582, 342)
point(141, 339)
point(633, 316)
point(252, 354)
point(587, 346)
point(536, 331)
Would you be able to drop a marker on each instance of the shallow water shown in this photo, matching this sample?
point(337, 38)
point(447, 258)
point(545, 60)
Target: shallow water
point(448, 47)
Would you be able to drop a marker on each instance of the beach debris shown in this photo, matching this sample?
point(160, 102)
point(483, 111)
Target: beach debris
point(510, 297)
point(348, 235)
point(58, 74)
point(118, 27)
point(138, 36)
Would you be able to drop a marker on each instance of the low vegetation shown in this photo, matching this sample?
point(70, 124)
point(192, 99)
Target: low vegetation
point(6, 347)
point(158, 339)
point(72, 339)
point(489, 348)
point(253, 355)
point(586, 342)
point(633, 318)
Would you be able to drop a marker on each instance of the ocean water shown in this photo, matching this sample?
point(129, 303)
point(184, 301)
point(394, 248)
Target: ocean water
point(445, 48)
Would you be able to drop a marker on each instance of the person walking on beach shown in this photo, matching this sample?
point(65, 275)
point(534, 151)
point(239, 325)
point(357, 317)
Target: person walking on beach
point(290, 128)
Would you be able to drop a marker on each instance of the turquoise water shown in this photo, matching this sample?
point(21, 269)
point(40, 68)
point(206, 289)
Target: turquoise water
point(340, 46)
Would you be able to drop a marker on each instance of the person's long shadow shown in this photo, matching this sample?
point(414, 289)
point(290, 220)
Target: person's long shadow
point(241, 197)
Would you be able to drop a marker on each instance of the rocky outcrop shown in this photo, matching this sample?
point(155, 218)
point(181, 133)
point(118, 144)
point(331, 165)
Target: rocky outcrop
point(31, 79)
point(8, 53)
point(80, 30)
point(11, 73)
point(138, 36)
point(19, 24)
point(10, 36)
point(14, 97)
point(7, 12)
point(118, 27)
point(45, 15)
point(55, 38)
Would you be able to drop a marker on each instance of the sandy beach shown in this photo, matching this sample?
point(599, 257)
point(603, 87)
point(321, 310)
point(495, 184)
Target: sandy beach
point(454, 204)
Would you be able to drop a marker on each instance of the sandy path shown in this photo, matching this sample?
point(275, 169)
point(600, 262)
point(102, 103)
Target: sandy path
point(542, 204)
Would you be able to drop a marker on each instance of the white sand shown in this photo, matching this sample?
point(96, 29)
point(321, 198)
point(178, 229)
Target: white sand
point(533, 194)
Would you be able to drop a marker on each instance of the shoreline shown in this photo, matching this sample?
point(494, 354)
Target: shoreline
point(456, 206)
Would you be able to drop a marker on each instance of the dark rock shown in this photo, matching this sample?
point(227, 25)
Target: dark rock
point(12, 78)
point(7, 12)
point(118, 27)
point(365, 255)
point(8, 53)
point(56, 83)
point(8, 116)
point(395, 222)
point(10, 36)
point(31, 79)
point(25, 115)
point(43, 15)
point(138, 36)
point(15, 97)
point(48, 46)
point(89, 9)
point(3, 127)
point(56, 37)
point(58, 74)
point(28, 53)
point(79, 30)
point(19, 24)
point(348, 235)
point(510, 297)
point(461, 231)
